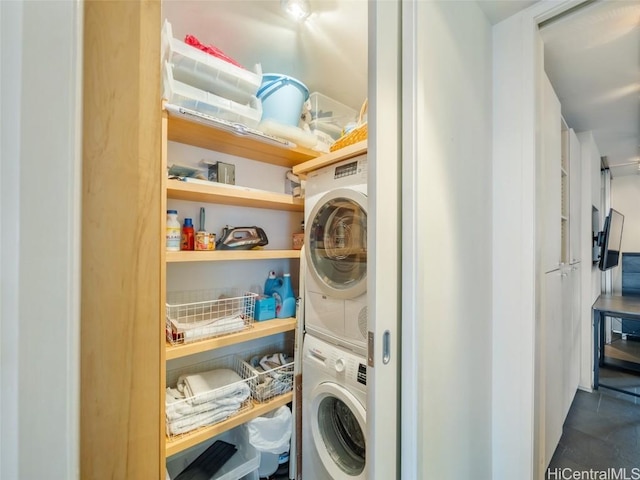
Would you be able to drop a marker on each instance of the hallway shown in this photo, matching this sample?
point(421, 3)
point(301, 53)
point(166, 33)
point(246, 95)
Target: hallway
point(601, 432)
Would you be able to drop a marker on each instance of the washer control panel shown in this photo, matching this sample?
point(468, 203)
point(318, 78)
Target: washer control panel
point(349, 368)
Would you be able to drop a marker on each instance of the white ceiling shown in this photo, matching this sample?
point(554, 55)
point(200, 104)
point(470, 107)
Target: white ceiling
point(498, 10)
point(592, 56)
point(327, 52)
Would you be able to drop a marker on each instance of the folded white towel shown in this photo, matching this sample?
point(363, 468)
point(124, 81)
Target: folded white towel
point(205, 318)
point(191, 422)
point(227, 325)
point(177, 406)
point(214, 385)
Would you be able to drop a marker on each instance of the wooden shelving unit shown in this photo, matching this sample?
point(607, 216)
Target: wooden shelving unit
point(203, 136)
point(230, 255)
point(189, 440)
point(258, 330)
point(231, 195)
point(197, 134)
point(330, 158)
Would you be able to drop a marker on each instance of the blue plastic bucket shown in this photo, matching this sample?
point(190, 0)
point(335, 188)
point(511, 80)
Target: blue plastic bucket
point(282, 98)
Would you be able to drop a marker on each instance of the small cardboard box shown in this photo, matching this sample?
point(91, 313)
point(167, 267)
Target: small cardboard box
point(265, 308)
point(298, 240)
point(226, 173)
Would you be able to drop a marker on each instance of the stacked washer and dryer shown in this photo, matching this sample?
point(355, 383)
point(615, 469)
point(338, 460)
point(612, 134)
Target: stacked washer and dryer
point(334, 366)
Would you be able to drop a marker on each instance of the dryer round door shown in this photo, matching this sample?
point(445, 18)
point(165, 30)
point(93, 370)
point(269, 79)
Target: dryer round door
point(338, 426)
point(336, 243)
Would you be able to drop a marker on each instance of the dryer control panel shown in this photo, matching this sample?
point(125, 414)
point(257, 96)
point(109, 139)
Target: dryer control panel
point(348, 173)
point(346, 169)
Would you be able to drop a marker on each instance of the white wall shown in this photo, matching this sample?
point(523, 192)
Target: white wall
point(590, 274)
point(451, 179)
point(10, 75)
point(514, 171)
point(41, 55)
point(625, 198)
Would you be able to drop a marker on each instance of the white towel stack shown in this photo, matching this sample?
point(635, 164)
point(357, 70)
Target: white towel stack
point(204, 399)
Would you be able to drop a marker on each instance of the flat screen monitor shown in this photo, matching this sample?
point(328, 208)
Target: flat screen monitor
point(611, 240)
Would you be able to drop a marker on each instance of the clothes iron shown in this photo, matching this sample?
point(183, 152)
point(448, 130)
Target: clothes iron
point(241, 238)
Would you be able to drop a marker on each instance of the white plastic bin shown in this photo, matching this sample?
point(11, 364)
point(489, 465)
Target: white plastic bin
point(329, 116)
point(187, 96)
point(243, 464)
point(270, 434)
point(206, 72)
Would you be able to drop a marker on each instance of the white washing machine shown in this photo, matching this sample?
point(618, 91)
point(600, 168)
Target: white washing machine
point(334, 395)
point(336, 254)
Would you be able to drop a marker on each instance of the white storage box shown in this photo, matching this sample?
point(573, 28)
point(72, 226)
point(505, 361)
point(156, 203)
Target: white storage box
point(272, 371)
point(329, 116)
point(206, 72)
point(243, 464)
point(196, 315)
point(206, 393)
point(187, 96)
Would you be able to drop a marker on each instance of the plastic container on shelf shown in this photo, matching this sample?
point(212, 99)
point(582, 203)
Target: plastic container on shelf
point(282, 98)
point(183, 95)
point(270, 434)
point(329, 116)
point(244, 463)
point(173, 231)
point(270, 283)
point(285, 300)
point(188, 239)
point(206, 72)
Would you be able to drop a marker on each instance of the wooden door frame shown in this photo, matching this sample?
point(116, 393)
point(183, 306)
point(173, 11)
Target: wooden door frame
point(122, 362)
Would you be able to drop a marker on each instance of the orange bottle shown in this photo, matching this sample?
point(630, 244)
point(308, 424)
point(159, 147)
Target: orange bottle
point(188, 239)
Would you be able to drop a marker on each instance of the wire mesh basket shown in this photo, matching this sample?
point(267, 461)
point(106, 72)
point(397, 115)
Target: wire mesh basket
point(207, 393)
point(272, 369)
point(200, 314)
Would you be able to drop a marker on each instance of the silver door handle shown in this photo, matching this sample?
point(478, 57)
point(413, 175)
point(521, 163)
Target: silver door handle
point(386, 347)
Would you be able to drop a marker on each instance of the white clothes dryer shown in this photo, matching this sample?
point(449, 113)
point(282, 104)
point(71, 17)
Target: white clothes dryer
point(336, 254)
point(333, 412)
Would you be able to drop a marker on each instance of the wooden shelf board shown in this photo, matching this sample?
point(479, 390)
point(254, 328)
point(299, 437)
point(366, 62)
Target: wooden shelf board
point(197, 192)
point(261, 329)
point(331, 158)
point(230, 255)
point(187, 441)
point(211, 138)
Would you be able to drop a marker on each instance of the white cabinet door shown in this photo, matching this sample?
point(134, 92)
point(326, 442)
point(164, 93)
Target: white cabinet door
point(575, 194)
point(552, 362)
point(550, 192)
point(566, 319)
point(573, 342)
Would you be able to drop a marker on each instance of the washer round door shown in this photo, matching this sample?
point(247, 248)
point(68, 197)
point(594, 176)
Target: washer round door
point(338, 428)
point(336, 243)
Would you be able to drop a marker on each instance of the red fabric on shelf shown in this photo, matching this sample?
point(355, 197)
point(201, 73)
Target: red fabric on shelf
point(210, 49)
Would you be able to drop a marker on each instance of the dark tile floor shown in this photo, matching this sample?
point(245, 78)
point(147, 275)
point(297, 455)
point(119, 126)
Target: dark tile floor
point(602, 431)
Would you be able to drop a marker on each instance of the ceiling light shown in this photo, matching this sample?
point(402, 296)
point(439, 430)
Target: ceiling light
point(299, 10)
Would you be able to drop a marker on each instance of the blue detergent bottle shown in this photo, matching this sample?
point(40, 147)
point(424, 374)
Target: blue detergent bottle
point(285, 300)
point(270, 283)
